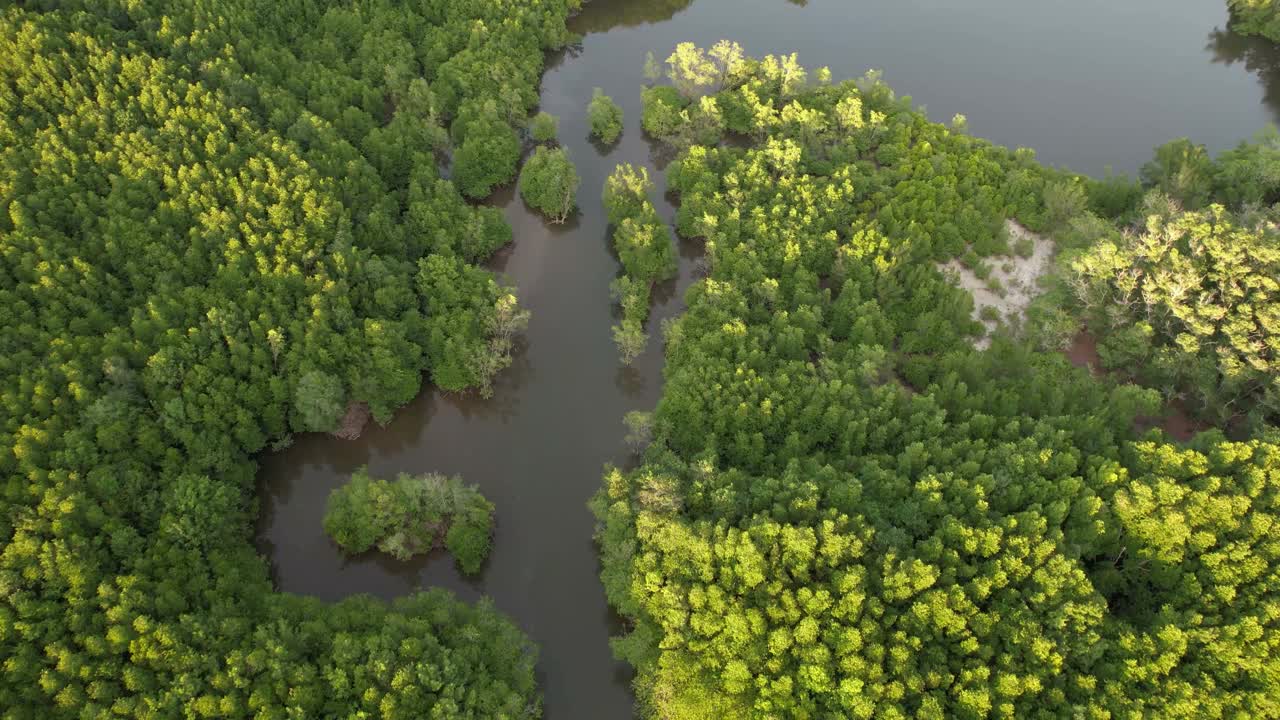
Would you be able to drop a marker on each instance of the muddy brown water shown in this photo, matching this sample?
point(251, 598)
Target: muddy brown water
point(1177, 421)
point(1083, 353)
point(1088, 84)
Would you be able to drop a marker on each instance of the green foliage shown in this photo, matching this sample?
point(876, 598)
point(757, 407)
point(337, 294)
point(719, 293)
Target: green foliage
point(411, 515)
point(1250, 173)
point(487, 157)
point(1256, 17)
point(660, 112)
point(468, 338)
point(1063, 201)
point(847, 511)
point(630, 337)
point(469, 544)
point(1113, 196)
point(1207, 289)
point(364, 511)
point(695, 72)
point(218, 230)
point(604, 117)
point(319, 401)
point(644, 247)
point(626, 193)
point(1183, 171)
point(543, 127)
point(692, 71)
point(549, 183)
point(671, 118)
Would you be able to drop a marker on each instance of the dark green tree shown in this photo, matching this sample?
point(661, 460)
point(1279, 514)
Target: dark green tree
point(549, 183)
point(604, 117)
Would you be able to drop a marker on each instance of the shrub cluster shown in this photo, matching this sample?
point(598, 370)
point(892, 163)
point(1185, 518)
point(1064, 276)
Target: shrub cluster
point(411, 515)
point(643, 244)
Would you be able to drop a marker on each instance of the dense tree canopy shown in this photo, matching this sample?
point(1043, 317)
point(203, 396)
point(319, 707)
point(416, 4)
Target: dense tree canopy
point(1256, 17)
point(411, 515)
point(1180, 290)
point(1190, 303)
point(220, 230)
point(549, 183)
point(848, 511)
point(1245, 177)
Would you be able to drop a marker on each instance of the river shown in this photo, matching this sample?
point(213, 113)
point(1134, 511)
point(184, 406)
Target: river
point(1088, 84)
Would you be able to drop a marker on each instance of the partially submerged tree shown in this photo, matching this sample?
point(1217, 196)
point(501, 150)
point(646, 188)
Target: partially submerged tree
point(411, 515)
point(644, 246)
point(543, 127)
point(652, 70)
point(604, 116)
point(639, 429)
point(549, 183)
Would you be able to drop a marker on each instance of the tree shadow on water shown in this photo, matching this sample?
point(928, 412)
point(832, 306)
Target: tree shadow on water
point(604, 15)
point(629, 381)
point(1259, 56)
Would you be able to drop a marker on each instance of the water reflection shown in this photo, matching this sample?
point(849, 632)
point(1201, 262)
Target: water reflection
point(603, 15)
point(1258, 55)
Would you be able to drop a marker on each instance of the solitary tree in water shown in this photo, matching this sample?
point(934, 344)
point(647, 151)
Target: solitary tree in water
point(549, 183)
point(652, 70)
point(605, 117)
point(411, 515)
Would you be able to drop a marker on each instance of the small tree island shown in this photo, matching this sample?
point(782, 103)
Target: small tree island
point(411, 515)
point(549, 183)
point(605, 117)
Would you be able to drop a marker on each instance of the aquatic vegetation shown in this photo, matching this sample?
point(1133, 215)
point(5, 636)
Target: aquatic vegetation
point(543, 127)
point(549, 183)
point(643, 244)
point(605, 117)
point(411, 515)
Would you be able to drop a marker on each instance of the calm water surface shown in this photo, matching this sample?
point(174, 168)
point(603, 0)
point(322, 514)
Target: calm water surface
point(1088, 84)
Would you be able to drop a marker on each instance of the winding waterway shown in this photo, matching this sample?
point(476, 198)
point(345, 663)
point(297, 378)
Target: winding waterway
point(1088, 84)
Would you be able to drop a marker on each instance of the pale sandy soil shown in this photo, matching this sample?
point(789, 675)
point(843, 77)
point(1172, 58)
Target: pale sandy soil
point(1021, 281)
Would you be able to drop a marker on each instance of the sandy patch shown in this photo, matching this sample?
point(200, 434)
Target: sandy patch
point(352, 422)
point(1012, 284)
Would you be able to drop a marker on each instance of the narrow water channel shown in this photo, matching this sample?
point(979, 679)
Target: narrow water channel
point(1088, 84)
